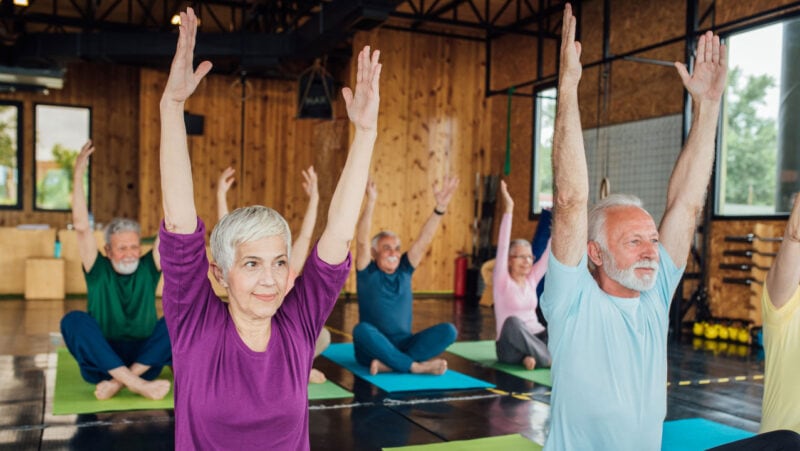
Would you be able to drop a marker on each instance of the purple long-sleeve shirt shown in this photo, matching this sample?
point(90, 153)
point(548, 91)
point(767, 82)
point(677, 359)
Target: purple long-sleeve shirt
point(228, 396)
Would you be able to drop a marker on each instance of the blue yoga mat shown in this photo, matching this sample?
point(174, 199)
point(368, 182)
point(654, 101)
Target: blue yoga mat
point(695, 434)
point(342, 353)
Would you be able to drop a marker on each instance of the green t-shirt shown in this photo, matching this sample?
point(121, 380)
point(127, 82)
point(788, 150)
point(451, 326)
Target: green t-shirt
point(123, 305)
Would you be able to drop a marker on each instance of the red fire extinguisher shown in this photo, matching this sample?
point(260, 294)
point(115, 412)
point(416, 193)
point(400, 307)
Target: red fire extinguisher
point(460, 286)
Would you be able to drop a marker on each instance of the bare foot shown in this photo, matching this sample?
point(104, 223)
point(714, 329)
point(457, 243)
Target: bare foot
point(156, 389)
point(378, 367)
point(432, 366)
point(316, 376)
point(529, 362)
point(107, 389)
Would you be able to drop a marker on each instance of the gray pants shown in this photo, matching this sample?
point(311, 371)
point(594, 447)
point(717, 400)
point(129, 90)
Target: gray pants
point(516, 342)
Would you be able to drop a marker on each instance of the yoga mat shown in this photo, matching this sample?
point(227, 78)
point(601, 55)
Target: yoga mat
point(342, 353)
point(75, 395)
point(698, 434)
point(327, 390)
point(501, 443)
point(483, 352)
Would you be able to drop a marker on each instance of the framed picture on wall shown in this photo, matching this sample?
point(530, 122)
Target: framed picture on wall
point(60, 132)
point(10, 155)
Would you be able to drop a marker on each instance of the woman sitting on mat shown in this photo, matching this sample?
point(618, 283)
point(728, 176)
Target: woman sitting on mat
point(300, 248)
point(241, 368)
point(521, 338)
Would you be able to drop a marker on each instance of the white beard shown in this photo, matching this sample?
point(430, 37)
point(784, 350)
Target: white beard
point(627, 277)
point(125, 267)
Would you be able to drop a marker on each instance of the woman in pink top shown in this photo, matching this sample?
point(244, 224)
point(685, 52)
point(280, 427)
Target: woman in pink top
point(521, 338)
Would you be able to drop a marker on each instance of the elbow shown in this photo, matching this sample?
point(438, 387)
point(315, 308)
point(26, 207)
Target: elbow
point(569, 199)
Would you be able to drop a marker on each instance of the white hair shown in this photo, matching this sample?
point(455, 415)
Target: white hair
point(597, 218)
point(383, 234)
point(520, 242)
point(121, 225)
point(244, 225)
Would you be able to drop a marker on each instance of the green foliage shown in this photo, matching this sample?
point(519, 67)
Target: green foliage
point(751, 142)
point(54, 189)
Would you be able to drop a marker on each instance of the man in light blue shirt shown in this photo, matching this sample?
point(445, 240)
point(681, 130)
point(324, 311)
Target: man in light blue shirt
point(608, 321)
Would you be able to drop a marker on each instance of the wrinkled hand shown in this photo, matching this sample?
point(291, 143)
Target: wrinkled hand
point(372, 190)
point(183, 80)
point(82, 160)
point(310, 185)
point(362, 105)
point(445, 194)
point(570, 68)
point(226, 180)
point(507, 200)
point(707, 81)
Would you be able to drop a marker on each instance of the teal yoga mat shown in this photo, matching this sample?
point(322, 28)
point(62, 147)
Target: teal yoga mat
point(698, 434)
point(74, 395)
point(483, 352)
point(342, 354)
point(514, 442)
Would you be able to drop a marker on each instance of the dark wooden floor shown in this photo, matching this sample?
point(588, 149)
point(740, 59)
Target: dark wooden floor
point(717, 381)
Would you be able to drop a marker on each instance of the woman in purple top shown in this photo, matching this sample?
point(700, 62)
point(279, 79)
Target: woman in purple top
point(521, 338)
point(241, 368)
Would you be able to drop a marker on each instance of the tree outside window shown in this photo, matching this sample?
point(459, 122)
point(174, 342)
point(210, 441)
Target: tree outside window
point(542, 167)
point(10, 156)
point(61, 131)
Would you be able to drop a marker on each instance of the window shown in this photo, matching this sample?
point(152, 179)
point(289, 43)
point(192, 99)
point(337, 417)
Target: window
point(544, 116)
point(10, 155)
point(61, 131)
point(754, 146)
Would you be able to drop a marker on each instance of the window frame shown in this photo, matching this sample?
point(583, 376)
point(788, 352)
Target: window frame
point(36, 207)
point(533, 213)
point(20, 155)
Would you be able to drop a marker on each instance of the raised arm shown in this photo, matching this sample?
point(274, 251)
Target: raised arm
point(504, 235)
point(303, 240)
point(784, 276)
point(570, 175)
point(180, 215)
point(226, 179)
point(689, 179)
point(363, 251)
point(362, 109)
point(87, 246)
point(443, 197)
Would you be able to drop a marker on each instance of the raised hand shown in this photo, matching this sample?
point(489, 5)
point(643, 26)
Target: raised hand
point(445, 194)
point(570, 67)
point(183, 80)
point(707, 81)
point(362, 105)
point(372, 190)
point(226, 180)
point(82, 161)
point(508, 202)
point(310, 185)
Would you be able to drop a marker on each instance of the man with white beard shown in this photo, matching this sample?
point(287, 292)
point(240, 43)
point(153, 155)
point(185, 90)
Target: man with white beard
point(608, 323)
point(382, 339)
point(119, 342)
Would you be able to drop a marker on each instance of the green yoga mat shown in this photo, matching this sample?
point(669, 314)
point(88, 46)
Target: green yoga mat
point(327, 390)
point(500, 443)
point(483, 352)
point(74, 395)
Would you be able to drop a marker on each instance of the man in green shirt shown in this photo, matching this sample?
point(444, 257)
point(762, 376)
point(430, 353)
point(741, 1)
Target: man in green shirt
point(119, 342)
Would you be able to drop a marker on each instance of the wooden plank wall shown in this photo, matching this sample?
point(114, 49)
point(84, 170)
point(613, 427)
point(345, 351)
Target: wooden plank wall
point(112, 92)
point(430, 125)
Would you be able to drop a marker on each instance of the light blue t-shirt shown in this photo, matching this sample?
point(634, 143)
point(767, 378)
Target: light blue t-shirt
point(609, 360)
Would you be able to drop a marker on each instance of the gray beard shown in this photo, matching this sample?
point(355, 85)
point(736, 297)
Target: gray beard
point(125, 268)
point(627, 277)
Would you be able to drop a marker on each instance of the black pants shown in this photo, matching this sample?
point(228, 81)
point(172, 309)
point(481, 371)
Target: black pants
point(769, 441)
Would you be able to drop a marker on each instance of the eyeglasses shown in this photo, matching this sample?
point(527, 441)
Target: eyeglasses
point(526, 257)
